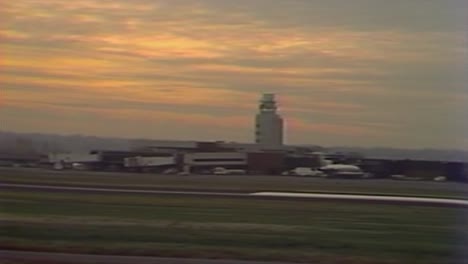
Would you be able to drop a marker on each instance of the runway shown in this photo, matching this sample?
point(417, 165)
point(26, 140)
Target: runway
point(403, 200)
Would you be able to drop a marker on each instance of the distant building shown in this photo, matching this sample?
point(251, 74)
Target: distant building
point(268, 123)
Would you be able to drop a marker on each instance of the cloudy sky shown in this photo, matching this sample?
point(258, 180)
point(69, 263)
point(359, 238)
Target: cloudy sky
point(360, 73)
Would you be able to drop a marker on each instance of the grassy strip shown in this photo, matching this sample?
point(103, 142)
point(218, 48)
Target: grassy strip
point(234, 183)
point(319, 232)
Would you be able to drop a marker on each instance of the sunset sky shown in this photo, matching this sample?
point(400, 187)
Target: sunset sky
point(346, 72)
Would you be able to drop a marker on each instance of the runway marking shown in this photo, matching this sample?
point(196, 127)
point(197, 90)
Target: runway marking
point(364, 198)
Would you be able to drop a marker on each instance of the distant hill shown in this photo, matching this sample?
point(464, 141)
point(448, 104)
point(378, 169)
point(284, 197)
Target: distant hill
point(20, 143)
point(11, 142)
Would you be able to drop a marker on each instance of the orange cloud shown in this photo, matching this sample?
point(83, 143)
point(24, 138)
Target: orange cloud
point(139, 115)
point(8, 34)
point(102, 92)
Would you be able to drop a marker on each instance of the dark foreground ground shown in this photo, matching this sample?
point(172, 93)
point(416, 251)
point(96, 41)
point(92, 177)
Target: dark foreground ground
point(25, 257)
point(227, 228)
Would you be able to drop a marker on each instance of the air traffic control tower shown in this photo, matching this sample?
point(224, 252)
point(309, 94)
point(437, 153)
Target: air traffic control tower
point(268, 123)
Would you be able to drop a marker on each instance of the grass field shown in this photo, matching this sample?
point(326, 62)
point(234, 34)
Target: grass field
point(246, 183)
point(300, 231)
